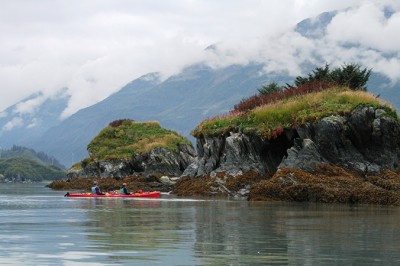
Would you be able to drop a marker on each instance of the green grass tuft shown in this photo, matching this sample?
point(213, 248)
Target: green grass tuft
point(128, 138)
point(265, 120)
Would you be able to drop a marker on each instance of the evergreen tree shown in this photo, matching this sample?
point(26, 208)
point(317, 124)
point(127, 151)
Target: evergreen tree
point(350, 75)
point(270, 88)
point(318, 74)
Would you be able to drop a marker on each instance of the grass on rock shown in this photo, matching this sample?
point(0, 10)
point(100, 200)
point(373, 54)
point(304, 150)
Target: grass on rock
point(126, 138)
point(264, 121)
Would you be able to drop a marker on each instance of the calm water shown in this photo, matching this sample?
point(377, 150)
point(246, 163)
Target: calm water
point(39, 226)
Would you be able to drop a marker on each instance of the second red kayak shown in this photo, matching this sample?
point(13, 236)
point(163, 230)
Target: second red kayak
point(151, 194)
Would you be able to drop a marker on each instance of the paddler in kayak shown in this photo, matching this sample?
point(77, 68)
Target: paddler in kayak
point(95, 189)
point(123, 190)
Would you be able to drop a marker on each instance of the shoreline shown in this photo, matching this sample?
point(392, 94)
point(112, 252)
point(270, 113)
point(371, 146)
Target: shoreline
point(328, 184)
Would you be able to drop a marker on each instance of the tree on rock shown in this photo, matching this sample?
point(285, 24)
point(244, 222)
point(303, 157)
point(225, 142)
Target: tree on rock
point(350, 75)
point(270, 88)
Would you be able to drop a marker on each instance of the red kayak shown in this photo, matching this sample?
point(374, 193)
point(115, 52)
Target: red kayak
point(151, 194)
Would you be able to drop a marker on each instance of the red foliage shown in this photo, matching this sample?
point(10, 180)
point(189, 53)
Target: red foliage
point(259, 100)
point(117, 123)
point(277, 132)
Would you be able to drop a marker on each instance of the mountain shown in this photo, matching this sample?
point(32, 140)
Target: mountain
point(179, 102)
point(22, 164)
point(30, 118)
point(22, 169)
point(315, 28)
point(23, 152)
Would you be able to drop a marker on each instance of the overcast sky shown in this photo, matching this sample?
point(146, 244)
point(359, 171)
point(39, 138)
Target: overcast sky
point(94, 47)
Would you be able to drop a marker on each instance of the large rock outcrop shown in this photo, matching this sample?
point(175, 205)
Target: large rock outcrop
point(158, 161)
point(339, 158)
point(366, 140)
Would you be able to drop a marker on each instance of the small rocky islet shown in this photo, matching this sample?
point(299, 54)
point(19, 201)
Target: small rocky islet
point(317, 167)
point(331, 144)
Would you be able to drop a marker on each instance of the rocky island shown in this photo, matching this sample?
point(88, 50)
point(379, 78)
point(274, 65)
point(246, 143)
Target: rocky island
point(324, 140)
point(142, 154)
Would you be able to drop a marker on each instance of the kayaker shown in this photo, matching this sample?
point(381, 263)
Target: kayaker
point(123, 190)
point(96, 189)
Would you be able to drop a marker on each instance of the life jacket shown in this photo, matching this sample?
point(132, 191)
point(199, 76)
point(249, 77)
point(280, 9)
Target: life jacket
point(94, 190)
point(123, 191)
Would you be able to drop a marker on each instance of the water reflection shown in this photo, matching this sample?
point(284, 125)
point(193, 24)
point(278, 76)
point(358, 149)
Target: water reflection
point(297, 234)
point(137, 229)
point(357, 235)
point(40, 227)
point(247, 234)
point(236, 232)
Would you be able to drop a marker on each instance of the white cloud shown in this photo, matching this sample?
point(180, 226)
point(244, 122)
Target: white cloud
point(377, 43)
point(15, 122)
point(29, 106)
point(33, 123)
point(368, 27)
point(93, 48)
point(367, 41)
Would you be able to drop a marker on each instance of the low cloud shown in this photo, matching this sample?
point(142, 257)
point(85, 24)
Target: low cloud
point(364, 35)
point(368, 27)
point(15, 122)
point(33, 123)
point(29, 106)
point(93, 48)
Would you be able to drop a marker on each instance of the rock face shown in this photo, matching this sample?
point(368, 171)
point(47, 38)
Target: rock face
point(239, 153)
point(367, 140)
point(157, 161)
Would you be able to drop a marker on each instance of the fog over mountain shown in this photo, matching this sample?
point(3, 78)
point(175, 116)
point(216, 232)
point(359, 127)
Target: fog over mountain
point(24, 122)
point(213, 81)
point(179, 103)
point(94, 48)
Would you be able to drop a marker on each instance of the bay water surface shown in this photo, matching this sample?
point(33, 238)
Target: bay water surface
point(39, 226)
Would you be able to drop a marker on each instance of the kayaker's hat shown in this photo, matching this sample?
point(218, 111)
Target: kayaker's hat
point(124, 184)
